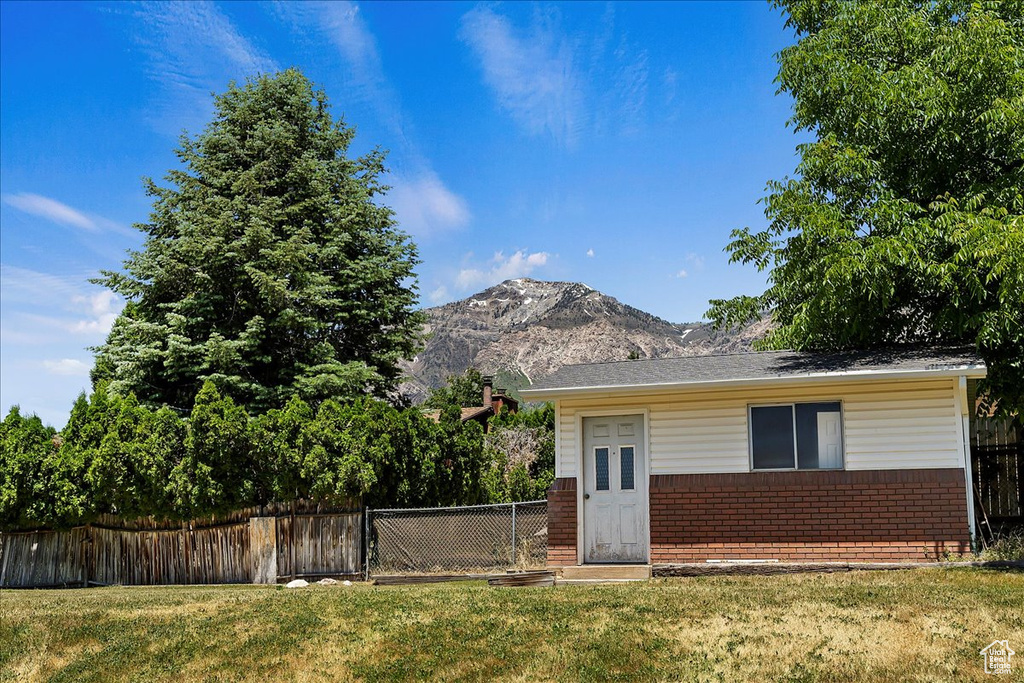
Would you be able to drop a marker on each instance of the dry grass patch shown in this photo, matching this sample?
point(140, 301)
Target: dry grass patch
point(925, 625)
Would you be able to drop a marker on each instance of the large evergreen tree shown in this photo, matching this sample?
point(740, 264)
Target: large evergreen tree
point(269, 267)
point(906, 221)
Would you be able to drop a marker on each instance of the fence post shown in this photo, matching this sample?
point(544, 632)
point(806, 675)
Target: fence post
point(291, 542)
point(263, 549)
point(513, 534)
point(366, 542)
point(186, 554)
point(86, 554)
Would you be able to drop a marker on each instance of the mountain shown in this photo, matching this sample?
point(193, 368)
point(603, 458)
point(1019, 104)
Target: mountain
point(523, 329)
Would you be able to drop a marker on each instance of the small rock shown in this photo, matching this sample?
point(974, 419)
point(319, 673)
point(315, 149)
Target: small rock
point(297, 583)
point(346, 583)
point(327, 582)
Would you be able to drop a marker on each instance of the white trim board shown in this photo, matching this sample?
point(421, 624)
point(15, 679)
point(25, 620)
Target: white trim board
point(669, 387)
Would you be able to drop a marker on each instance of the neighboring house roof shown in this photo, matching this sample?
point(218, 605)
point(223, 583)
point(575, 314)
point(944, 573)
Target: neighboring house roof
point(754, 368)
point(475, 411)
point(493, 403)
point(467, 413)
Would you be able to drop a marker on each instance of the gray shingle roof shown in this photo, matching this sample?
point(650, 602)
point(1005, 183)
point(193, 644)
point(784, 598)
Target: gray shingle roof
point(755, 366)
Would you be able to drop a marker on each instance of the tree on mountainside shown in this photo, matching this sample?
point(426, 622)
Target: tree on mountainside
point(905, 223)
point(269, 268)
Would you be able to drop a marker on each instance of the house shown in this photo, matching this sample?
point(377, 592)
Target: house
point(762, 456)
point(492, 405)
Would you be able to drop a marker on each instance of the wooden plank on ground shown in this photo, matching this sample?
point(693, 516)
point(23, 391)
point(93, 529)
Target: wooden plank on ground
point(412, 579)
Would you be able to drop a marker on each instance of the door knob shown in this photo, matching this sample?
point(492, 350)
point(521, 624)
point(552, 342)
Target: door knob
point(586, 496)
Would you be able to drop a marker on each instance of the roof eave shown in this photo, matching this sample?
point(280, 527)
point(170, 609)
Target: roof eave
point(971, 371)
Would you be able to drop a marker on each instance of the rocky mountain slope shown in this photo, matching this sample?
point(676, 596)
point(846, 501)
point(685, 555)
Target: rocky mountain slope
point(524, 329)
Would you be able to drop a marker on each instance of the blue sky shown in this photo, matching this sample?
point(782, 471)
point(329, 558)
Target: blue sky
point(613, 144)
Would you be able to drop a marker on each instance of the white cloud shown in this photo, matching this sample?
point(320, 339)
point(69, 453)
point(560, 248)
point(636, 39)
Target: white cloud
point(51, 209)
point(631, 81)
point(551, 81)
point(681, 274)
point(72, 305)
point(519, 264)
point(590, 253)
point(695, 260)
point(193, 48)
point(353, 38)
point(23, 285)
point(341, 24)
point(67, 366)
point(62, 214)
point(424, 206)
point(191, 33)
point(102, 308)
point(534, 77)
point(439, 295)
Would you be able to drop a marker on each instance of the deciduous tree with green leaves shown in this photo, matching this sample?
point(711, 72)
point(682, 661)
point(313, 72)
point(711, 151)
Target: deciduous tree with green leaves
point(269, 268)
point(905, 223)
point(465, 390)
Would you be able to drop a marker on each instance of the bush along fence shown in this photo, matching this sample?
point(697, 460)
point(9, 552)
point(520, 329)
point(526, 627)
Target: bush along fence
point(276, 543)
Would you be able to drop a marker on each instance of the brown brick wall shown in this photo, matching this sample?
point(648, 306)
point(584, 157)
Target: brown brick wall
point(562, 522)
point(878, 515)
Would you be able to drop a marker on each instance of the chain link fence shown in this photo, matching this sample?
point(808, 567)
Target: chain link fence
point(476, 537)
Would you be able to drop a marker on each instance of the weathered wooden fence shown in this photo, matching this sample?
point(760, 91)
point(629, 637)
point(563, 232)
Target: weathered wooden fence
point(997, 452)
point(257, 546)
point(276, 543)
point(318, 545)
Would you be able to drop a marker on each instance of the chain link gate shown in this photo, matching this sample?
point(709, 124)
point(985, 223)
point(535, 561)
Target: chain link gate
point(475, 537)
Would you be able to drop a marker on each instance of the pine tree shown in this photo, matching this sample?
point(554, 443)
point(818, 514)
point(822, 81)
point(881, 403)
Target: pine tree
point(269, 268)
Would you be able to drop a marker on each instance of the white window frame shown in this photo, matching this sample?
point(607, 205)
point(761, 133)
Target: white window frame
point(796, 454)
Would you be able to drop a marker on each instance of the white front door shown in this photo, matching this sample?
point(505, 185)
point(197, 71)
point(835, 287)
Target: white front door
point(614, 489)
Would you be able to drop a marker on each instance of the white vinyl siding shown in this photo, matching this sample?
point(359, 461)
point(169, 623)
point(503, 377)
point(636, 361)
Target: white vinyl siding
point(906, 424)
point(565, 443)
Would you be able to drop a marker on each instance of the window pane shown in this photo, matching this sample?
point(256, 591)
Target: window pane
point(626, 457)
point(771, 437)
point(819, 443)
point(601, 466)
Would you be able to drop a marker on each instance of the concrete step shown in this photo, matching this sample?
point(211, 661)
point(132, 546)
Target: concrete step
point(605, 572)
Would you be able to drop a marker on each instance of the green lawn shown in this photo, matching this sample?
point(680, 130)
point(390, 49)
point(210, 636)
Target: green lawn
point(925, 625)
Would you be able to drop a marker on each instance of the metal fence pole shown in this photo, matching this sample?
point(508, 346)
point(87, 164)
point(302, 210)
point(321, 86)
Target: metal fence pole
point(513, 534)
